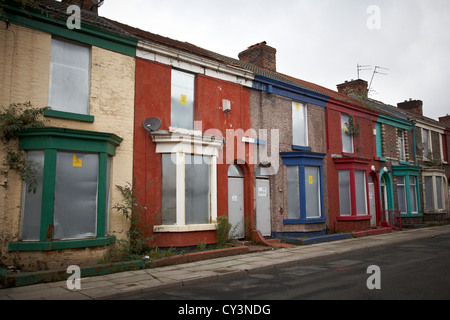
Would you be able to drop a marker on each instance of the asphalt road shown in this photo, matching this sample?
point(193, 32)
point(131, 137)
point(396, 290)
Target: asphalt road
point(414, 270)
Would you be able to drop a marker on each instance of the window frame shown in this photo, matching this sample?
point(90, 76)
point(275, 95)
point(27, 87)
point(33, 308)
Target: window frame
point(344, 133)
point(303, 159)
point(179, 144)
point(57, 111)
point(354, 164)
point(435, 175)
point(429, 151)
point(51, 140)
point(401, 144)
point(183, 99)
point(302, 108)
point(407, 171)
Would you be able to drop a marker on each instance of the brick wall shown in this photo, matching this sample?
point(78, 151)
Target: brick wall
point(25, 77)
point(261, 55)
point(271, 111)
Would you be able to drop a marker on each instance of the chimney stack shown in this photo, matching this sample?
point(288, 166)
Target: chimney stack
point(261, 55)
point(356, 87)
point(445, 120)
point(89, 5)
point(413, 106)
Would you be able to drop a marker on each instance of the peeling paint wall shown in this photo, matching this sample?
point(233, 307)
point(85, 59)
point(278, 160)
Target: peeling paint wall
point(24, 76)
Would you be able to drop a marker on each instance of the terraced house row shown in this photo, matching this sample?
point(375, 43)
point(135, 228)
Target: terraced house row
point(198, 135)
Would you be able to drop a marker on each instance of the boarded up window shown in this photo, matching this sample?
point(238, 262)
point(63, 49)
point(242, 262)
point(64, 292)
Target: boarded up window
point(293, 192)
point(312, 192)
point(32, 203)
point(69, 77)
point(182, 100)
point(347, 139)
point(76, 186)
point(299, 125)
point(197, 189)
point(344, 192)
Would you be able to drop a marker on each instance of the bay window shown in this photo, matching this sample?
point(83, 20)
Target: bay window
point(407, 177)
point(352, 182)
point(304, 187)
point(67, 204)
point(189, 181)
point(435, 186)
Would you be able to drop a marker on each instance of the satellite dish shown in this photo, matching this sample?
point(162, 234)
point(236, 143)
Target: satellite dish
point(152, 124)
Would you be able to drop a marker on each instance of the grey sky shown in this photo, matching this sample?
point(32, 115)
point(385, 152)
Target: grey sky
point(320, 41)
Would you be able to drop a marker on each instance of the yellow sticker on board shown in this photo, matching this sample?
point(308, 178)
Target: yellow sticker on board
point(77, 163)
point(297, 105)
point(183, 99)
point(310, 180)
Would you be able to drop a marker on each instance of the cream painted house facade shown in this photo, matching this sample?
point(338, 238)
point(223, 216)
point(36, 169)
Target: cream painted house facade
point(85, 148)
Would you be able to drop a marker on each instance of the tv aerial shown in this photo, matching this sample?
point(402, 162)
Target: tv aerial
point(375, 71)
point(152, 124)
point(360, 68)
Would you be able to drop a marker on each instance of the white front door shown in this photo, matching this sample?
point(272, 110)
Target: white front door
point(263, 207)
point(236, 207)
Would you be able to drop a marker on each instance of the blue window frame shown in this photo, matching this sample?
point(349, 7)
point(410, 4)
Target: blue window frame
point(310, 205)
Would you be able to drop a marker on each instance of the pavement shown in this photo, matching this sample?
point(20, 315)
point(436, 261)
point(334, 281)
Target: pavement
point(113, 286)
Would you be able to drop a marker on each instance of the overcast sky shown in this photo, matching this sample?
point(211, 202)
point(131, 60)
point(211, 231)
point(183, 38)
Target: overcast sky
point(321, 41)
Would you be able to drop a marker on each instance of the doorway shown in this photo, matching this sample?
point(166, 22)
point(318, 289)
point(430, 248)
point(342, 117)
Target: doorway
point(262, 187)
point(236, 202)
point(384, 199)
point(372, 202)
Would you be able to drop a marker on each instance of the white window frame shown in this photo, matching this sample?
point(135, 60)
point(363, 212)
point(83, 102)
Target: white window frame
point(345, 118)
point(444, 187)
point(401, 145)
point(404, 193)
point(182, 143)
point(428, 143)
point(298, 107)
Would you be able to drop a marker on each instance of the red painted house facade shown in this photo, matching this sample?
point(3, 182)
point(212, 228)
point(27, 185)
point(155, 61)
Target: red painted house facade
point(194, 166)
point(351, 167)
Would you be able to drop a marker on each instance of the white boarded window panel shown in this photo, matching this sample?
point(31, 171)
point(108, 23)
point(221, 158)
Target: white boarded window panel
point(439, 193)
point(299, 124)
point(360, 192)
point(69, 77)
point(76, 188)
point(197, 190)
point(429, 193)
point(401, 193)
point(169, 189)
point(32, 201)
point(312, 192)
point(347, 140)
point(344, 193)
point(293, 195)
point(412, 193)
point(182, 100)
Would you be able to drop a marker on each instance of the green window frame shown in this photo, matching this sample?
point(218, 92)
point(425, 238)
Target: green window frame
point(411, 188)
point(51, 140)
